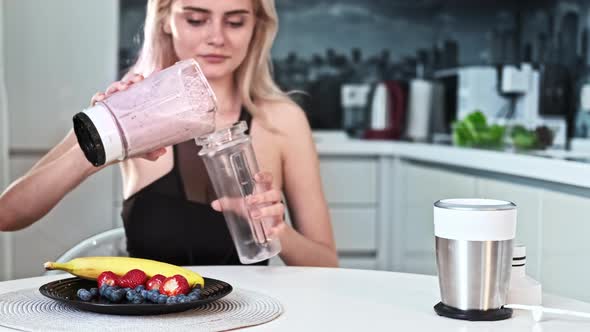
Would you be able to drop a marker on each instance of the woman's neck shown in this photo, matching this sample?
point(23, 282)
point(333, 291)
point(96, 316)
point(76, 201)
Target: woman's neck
point(227, 95)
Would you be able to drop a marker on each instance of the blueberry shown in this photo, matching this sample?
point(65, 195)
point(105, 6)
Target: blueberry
point(94, 292)
point(153, 297)
point(102, 289)
point(117, 295)
point(196, 291)
point(172, 300)
point(193, 297)
point(137, 300)
point(84, 295)
point(139, 288)
point(144, 294)
point(162, 298)
point(130, 294)
point(153, 294)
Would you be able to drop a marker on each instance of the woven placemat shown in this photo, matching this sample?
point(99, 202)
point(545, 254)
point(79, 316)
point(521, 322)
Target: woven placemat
point(28, 310)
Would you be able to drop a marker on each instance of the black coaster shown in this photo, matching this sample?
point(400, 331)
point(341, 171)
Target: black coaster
point(473, 315)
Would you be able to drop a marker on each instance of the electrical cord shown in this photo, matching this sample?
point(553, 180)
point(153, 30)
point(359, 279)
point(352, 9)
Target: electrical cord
point(539, 312)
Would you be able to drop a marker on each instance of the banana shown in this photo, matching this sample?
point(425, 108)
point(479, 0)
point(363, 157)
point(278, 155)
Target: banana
point(91, 267)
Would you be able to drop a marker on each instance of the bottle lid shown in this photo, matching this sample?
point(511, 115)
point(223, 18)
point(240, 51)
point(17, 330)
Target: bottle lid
point(98, 135)
point(519, 255)
point(519, 251)
point(221, 138)
point(475, 219)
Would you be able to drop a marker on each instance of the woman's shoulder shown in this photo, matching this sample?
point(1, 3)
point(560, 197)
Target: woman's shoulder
point(285, 116)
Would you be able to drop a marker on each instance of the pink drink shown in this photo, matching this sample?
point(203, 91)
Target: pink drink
point(169, 107)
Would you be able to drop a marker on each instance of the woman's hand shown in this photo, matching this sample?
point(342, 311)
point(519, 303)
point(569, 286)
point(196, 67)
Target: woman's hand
point(265, 205)
point(121, 86)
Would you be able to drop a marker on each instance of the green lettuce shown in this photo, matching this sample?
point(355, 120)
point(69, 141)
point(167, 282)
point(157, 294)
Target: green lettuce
point(474, 131)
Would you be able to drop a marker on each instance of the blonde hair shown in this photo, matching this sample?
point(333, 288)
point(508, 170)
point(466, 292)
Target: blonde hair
point(254, 75)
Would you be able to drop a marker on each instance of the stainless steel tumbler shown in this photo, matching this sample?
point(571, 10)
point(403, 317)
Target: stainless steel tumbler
point(474, 243)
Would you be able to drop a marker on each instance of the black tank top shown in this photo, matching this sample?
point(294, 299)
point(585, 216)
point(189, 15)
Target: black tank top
point(171, 219)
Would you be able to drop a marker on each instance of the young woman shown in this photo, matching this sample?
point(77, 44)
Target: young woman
point(170, 212)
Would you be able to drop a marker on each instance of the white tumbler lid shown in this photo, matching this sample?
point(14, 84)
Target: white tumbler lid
point(109, 132)
point(475, 219)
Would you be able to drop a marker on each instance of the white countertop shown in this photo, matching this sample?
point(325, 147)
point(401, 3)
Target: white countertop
point(556, 170)
point(323, 299)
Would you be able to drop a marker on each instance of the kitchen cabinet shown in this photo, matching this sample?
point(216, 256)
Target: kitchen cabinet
point(350, 262)
point(528, 228)
point(552, 196)
point(413, 233)
point(355, 230)
point(565, 244)
point(349, 180)
point(551, 223)
point(85, 211)
point(352, 193)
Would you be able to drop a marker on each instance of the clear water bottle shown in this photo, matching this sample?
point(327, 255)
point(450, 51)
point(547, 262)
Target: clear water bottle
point(168, 107)
point(231, 164)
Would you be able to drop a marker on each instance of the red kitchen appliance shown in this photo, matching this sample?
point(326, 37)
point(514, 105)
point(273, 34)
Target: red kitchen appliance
point(386, 113)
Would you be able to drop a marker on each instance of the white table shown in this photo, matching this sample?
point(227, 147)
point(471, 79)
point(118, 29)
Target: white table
point(326, 299)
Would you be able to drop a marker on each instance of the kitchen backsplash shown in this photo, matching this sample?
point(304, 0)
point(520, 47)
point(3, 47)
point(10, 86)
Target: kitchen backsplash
point(322, 44)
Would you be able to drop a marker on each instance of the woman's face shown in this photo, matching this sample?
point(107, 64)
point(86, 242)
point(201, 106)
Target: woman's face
point(216, 33)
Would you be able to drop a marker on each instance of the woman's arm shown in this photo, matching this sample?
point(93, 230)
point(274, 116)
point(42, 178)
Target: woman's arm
point(62, 169)
point(33, 195)
point(311, 241)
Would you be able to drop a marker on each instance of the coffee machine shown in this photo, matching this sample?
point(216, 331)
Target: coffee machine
point(467, 89)
point(531, 90)
point(506, 94)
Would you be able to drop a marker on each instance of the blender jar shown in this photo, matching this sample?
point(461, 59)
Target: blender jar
point(169, 107)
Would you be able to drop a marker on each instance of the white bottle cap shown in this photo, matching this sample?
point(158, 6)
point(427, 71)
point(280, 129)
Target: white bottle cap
point(519, 252)
point(474, 219)
point(105, 141)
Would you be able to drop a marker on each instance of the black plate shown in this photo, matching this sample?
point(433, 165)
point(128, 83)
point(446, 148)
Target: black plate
point(64, 290)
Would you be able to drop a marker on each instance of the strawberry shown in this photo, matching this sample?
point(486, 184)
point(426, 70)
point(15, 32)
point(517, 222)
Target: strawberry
point(132, 279)
point(155, 282)
point(107, 278)
point(175, 285)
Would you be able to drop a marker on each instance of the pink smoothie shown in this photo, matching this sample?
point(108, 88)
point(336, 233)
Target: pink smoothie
point(168, 107)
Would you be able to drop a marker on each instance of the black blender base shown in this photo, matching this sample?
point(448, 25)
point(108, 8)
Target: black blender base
point(473, 315)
